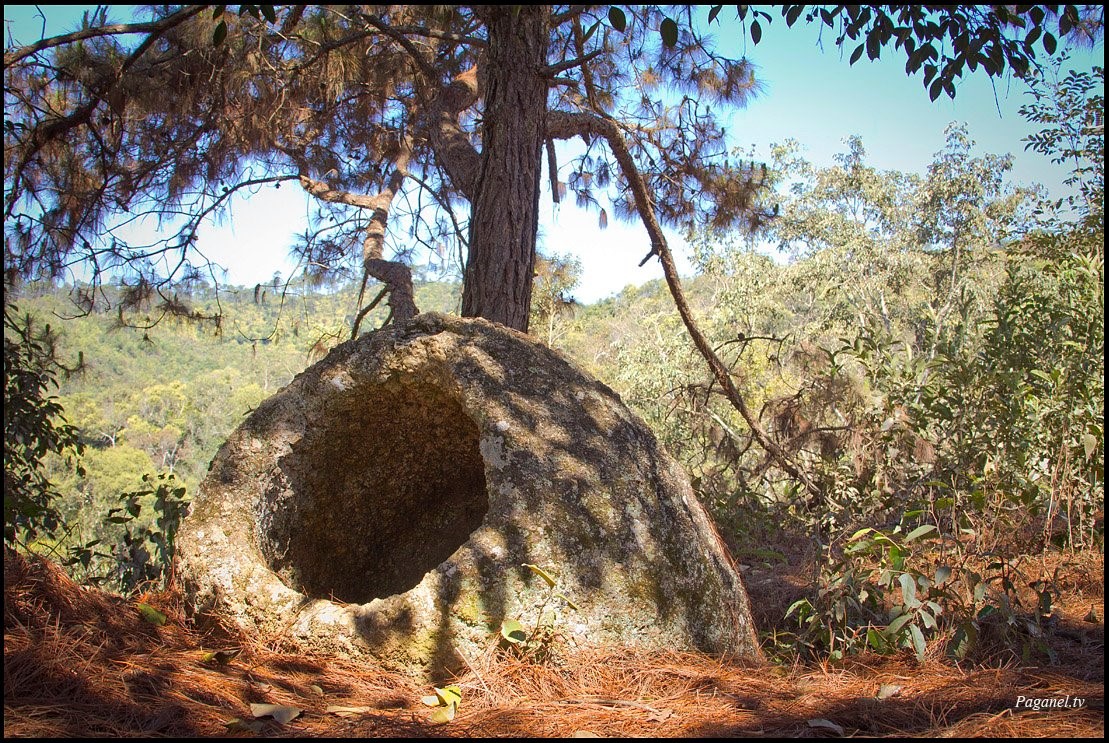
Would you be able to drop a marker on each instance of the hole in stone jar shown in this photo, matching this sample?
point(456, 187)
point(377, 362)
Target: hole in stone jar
point(387, 488)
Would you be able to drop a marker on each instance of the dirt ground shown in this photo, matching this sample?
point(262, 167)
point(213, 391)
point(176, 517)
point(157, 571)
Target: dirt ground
point(83, 663)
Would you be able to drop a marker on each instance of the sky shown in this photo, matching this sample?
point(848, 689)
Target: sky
point(810, 94)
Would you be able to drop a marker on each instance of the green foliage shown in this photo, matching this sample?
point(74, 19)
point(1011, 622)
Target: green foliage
point(540, 644)
point(33, 428)
point(880, 595)
point(944, 41)
point(872, 598)
point(1071, 109)
point(143, 555)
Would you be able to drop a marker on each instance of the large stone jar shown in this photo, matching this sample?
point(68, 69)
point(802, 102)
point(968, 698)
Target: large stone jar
point(385, 504)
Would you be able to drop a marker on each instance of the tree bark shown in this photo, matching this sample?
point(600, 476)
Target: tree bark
point(504, 219)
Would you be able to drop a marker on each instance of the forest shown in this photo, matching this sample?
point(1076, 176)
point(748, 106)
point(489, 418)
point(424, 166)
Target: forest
point(912, 483)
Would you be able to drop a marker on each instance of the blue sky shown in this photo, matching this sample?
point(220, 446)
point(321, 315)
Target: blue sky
point(811, 95)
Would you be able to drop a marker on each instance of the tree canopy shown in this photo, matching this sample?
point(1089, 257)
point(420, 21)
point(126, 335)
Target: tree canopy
point(388, 116)
point(431, 122)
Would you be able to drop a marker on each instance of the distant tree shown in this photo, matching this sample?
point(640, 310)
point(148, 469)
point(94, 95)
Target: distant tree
point(555, 280)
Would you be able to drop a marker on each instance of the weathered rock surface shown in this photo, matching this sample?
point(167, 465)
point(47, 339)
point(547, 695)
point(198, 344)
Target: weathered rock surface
point(384, 502)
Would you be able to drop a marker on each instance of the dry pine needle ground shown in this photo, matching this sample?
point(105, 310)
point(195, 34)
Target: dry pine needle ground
point(80, 663)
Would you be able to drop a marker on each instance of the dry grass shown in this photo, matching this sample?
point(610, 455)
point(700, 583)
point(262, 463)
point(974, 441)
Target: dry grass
point(80, 663)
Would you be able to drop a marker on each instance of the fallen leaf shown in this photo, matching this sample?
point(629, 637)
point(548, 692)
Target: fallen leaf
point(586, 734)
point(659, 715)
point(317, 689)
point(444, 714)
point(826, 724)
point(220, 657)
point(235, 725)
point(346, 711)
point(569, 603)
point(152, 615)
point(279, 712)
point(885, 691)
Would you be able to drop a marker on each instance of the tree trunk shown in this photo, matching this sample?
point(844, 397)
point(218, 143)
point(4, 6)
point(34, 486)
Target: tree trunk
point(505, 213)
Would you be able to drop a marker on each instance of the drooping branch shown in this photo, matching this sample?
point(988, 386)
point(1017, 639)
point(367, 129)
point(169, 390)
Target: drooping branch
point(563, 125)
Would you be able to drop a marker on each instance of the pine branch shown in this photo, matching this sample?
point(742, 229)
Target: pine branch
point(155, 27)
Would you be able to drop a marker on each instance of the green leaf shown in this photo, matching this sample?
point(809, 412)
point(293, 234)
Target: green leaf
point(918, 641)
point(714, 11)
point(590, 31)
point(269, 13)
point(877, 642)
point(219, 34)
point(444, 714)
point(943, 574)
point(1043, 375)
point(797, 605)
point(756, 32)
point(856, 54)
point(541, 573)
point(895, 626)
point(669, 31)
point(447, 700)
point(220, 657)
point(963, 640)
point(873, 45)
point(449, 695)
point(908, 590)
point(513, 631)
point(860, 533)
point(617, 19)
point(935, 89)
point(152, 615)
point(920, 531)
point(1049, 43)
point(897, 557)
